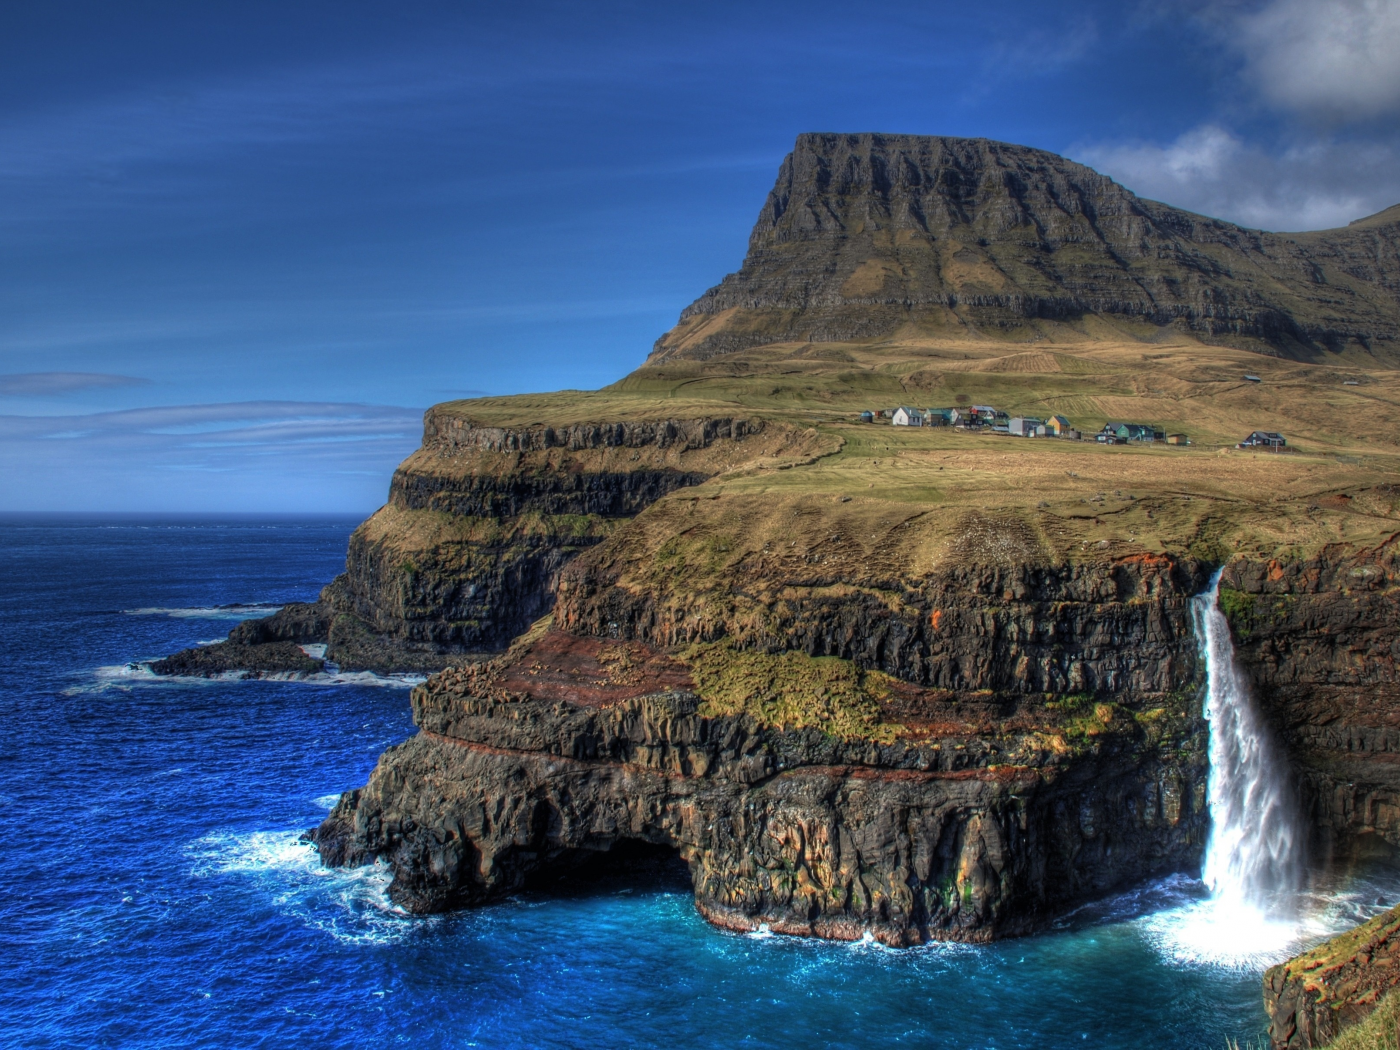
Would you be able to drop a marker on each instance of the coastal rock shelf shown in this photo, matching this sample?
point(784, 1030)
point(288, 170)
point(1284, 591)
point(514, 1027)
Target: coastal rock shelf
point(572, 745)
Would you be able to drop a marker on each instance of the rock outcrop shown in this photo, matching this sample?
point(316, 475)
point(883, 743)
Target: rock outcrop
point(1311, 998)
point(986, 806)
point(1320, 640)
point(479, 523)
point(867, 235)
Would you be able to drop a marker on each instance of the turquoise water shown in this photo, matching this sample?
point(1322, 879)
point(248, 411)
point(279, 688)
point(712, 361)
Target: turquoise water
point(158, 894)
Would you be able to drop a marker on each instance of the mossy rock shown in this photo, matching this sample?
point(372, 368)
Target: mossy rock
point(791, 690)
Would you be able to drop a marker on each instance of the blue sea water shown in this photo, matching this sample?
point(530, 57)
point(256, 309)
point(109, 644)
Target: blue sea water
point(157, 894)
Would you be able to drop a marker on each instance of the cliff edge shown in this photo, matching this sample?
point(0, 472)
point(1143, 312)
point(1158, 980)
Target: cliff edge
point(917, 682)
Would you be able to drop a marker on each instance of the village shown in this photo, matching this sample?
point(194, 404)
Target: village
point(986, 419)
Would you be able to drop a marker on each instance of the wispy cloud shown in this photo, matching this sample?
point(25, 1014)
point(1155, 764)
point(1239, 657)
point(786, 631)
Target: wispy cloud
point(50, 384)
point(258, 455)
point(1313, 185)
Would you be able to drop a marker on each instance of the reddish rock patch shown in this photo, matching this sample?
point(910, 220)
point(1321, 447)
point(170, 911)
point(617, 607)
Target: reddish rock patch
point(592, 672)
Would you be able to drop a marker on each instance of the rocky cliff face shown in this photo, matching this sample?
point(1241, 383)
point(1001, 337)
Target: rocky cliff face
point(479, 523)
point(917, 684)
point(867, 235)
point(1313, 997)
point(981, 805)
point(1320, 639)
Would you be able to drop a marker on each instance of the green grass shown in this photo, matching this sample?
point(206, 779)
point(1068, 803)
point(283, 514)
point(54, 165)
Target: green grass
point(1379, 1031)
point(790, 690)
point(1238, 607)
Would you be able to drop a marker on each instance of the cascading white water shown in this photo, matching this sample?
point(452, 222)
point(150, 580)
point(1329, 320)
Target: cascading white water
point(1259, 911)
point(1252, 856)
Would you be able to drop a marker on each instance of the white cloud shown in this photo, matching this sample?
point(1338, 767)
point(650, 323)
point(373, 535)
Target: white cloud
point(1337, 60)
point(1211, 171)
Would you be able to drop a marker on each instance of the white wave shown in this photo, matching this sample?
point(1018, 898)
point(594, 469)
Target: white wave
point(350, 904)
point(326, 802)
point(316, 650)
point(139, 673)
point(386, 681)
point(210, 612)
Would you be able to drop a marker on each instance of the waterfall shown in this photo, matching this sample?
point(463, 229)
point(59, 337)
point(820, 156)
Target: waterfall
point(1252, 857)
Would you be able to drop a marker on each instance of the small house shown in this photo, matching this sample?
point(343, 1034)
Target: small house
point(1135, 432)
point(1178, 439)
point(1057, 425)
point(1023, 426)
point(938, 417)
point(907, 417)
point(1265, 439)
point(867, 416)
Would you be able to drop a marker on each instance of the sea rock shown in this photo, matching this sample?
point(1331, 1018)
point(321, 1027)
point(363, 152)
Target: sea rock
point(264, 658)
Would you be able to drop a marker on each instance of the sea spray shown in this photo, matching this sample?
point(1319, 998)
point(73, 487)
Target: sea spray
point(1253, 853)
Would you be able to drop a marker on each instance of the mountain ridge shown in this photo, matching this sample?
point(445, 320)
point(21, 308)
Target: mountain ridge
point(866, 236)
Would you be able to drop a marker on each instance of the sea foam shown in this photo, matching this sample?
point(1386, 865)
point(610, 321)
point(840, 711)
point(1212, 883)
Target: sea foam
point(139, 673)
point(352, 905)
point(235, 611)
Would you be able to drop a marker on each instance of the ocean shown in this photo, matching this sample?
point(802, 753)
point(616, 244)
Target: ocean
point(159, 895)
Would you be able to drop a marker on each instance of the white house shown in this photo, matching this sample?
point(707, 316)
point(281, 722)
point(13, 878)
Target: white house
point(1024, 426)
point(907, 417)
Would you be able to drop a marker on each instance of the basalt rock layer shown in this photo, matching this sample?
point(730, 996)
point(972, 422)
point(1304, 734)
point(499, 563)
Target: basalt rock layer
point(1312, 997)
point(479, 523)
point(988, 808)
point(865, 236)
point(1320, 640)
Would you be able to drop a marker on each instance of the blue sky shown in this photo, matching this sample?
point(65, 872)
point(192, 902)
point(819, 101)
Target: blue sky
point(244, 245)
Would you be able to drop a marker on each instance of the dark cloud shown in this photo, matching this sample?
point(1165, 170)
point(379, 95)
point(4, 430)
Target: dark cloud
point(49, 384)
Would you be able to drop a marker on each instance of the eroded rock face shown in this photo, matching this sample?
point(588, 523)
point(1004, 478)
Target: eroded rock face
point(481, 520)
point(793, 829)
point(863, 235)
point(1102, 629)
point(994, 808)
point(1311, 998)
point(1320, 640)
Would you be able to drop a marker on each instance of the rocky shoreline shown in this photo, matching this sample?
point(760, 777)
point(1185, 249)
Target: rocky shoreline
point(946, 836)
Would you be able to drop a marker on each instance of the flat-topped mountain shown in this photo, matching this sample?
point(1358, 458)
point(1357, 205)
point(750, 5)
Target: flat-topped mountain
point(874, 236)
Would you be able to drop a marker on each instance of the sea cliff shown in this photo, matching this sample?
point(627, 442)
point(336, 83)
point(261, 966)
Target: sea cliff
point(919, 683)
